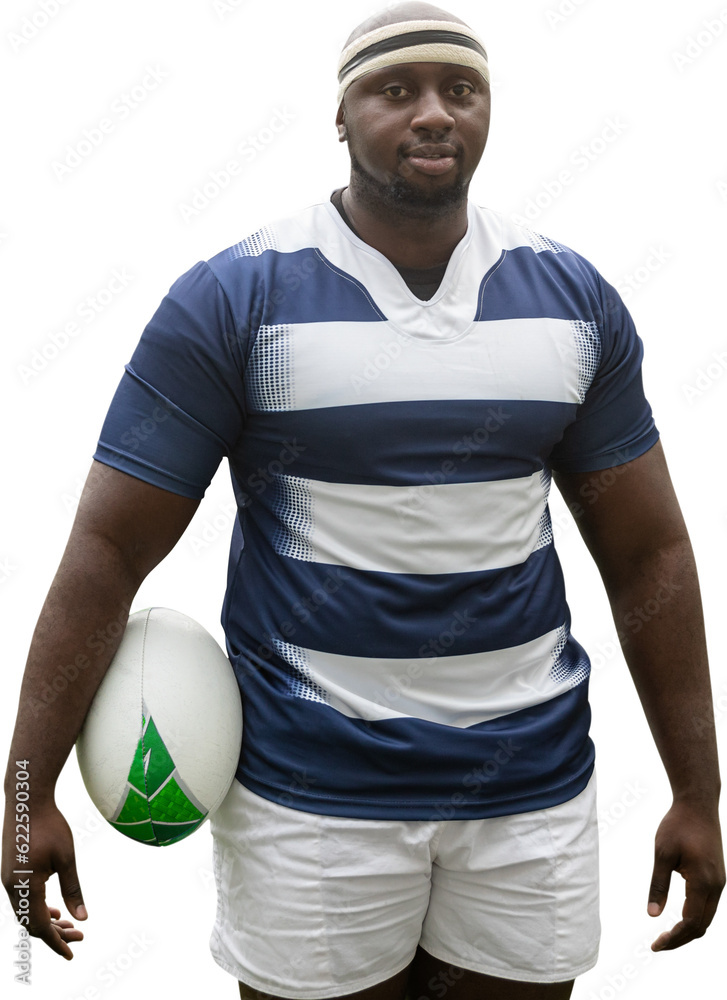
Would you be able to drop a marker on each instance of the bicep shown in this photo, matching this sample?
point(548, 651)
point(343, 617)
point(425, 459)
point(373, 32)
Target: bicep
point(625, 513)
point(143, 522)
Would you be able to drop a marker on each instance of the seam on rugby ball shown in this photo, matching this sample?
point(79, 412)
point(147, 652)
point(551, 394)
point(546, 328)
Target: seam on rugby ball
point(143, 727)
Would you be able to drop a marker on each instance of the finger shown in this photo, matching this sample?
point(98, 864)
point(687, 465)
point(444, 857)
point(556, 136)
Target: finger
point(680, 934)
point(693, 923)
point(65, 925)
point(711, 907)
point(40, 922)
point(44, 924)
point(67, 931)
point(54, 937)
point(57, 934)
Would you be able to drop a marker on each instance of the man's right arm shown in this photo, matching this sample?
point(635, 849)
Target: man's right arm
point(122, 530)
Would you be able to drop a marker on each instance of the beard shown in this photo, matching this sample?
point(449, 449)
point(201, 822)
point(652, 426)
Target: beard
point(401, 197)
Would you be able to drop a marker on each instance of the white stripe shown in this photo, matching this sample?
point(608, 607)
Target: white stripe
point(321, 225)
point(427, 529)
point(456, 691)
point(315, 365)
point(451, 308)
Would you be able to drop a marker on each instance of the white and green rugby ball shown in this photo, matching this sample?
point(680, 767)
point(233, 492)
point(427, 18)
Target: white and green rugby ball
point(161, 741)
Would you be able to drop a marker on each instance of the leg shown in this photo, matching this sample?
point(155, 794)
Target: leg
point(430, 978)
point(392, 989)
point(512, 896)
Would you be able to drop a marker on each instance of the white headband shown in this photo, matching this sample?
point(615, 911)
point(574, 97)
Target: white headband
point(408, 42)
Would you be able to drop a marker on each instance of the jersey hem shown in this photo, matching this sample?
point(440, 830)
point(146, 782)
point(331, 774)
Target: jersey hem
point(358, 808)
point(146, 473)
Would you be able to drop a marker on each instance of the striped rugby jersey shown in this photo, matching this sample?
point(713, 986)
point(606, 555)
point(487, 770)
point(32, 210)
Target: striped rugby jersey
point(395, 609)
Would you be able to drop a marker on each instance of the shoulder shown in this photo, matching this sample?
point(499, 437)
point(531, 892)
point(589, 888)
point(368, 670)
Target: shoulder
point(542, 249)
point(258, 250)
point(534, 267)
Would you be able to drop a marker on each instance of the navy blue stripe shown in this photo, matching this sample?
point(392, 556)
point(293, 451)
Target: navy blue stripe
point(402, 444)
point(529, 285)
point(354, 612)
point(300, 286)
point(308, 756)
point(303, 286)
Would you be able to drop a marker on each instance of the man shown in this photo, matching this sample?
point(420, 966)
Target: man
point(394, 376)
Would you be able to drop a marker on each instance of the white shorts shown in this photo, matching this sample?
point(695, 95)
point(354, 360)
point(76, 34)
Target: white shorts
point(320, 906)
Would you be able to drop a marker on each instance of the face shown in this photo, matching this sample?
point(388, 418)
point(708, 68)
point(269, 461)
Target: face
point(416, 133)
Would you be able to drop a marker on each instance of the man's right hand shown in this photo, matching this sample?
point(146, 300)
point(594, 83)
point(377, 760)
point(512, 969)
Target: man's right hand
point(51, 852)
point(123, 528)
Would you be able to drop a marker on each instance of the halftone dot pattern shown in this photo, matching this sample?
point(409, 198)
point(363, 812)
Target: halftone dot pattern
point(293, 509)
point(269, 376)
point(252, 246)
point(545, 527)
point(540, 243)
point(588, 345)
point(301, 683)
point(574, 669)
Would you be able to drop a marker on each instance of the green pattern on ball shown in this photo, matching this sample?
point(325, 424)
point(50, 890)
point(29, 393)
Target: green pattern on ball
point(134, 809)
point(156, 808)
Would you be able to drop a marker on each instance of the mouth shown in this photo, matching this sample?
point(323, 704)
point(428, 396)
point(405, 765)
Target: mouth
point(431, 159)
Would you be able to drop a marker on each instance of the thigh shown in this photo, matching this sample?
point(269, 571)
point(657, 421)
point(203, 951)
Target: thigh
point(313, 906)
point(431, 978)
point(517, 897)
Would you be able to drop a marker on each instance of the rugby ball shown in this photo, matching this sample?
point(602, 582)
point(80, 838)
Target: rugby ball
point(161, 741)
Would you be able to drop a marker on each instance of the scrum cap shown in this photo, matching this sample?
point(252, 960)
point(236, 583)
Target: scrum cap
point(408, 42)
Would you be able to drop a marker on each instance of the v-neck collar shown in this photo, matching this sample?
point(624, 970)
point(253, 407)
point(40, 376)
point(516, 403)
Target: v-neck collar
point(450, 313)
point(386, 267)
point(419, 279)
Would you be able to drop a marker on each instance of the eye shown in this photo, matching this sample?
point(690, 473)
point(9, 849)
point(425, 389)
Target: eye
point(400, 90)
point(462, 89)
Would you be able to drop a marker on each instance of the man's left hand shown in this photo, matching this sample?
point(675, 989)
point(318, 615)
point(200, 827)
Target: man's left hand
point(688, 841)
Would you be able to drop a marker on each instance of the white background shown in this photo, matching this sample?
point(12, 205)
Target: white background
point(655, 195)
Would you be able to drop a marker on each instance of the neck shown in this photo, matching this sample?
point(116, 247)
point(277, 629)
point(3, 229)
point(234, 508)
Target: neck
point(419, 240)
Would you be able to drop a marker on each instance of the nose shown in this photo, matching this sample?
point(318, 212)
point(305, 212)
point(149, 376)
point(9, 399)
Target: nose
point(431, 112)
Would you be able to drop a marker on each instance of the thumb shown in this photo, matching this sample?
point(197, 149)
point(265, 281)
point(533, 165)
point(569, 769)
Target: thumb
point(71, 889)
point(659, 888)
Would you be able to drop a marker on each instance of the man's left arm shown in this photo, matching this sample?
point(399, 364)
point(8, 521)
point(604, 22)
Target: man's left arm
point(635, 532)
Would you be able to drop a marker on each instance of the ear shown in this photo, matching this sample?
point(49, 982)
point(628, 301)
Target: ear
point(341, 124)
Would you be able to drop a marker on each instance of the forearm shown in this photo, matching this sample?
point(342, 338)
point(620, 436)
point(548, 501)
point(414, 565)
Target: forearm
point(658, 614)
point(77, 634)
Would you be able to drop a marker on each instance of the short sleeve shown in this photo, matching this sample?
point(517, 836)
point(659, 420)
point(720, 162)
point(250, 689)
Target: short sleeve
point(179, 408)
point(614, 424)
